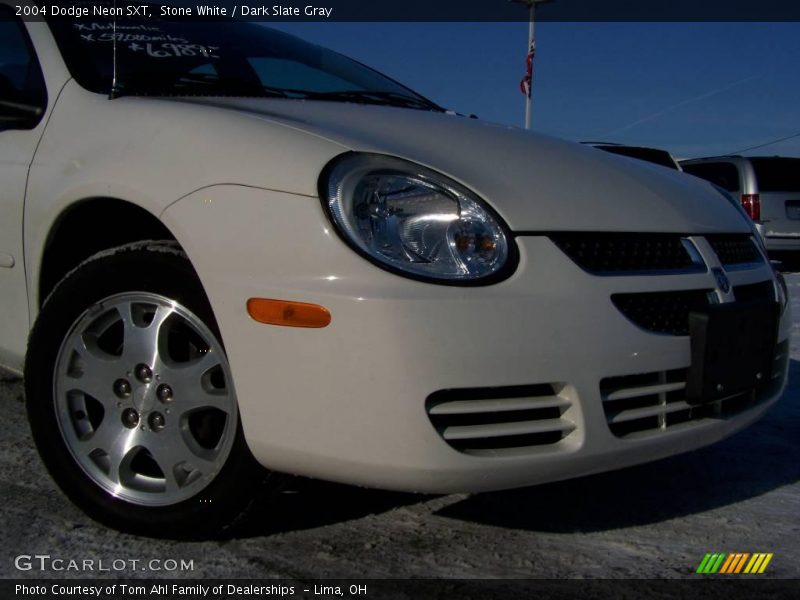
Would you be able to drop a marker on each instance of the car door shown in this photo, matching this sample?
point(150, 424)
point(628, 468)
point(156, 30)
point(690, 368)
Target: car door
point(22, 104)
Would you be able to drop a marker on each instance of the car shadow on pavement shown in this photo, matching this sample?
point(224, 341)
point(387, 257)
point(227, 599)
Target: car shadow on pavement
point(760, 459)
point(308, 504)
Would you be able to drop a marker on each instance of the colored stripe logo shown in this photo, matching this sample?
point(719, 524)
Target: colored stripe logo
point(734, 563)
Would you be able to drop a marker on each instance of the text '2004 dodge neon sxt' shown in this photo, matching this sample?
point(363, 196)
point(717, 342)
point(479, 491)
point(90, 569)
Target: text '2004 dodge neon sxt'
point(230, 253)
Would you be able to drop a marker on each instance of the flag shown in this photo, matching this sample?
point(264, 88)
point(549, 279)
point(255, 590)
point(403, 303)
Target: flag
point(525, 86)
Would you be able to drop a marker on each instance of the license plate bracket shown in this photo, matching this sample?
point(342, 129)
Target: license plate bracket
point(733, 349)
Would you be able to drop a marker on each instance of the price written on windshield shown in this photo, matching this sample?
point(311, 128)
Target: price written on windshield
point(170, 50)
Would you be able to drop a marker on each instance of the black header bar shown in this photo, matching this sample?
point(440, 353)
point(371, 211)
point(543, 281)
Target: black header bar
point(429, 10)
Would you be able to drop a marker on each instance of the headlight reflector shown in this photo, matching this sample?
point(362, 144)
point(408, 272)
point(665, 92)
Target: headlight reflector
point(413, 220)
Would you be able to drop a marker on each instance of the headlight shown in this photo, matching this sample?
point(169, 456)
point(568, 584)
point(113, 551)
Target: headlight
point(414, 221)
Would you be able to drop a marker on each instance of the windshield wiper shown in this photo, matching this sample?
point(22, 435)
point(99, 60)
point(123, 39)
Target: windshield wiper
point(373, 97)
point(205, 84)
point(196, 84)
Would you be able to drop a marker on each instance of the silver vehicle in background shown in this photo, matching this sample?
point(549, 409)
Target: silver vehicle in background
point(768, 188)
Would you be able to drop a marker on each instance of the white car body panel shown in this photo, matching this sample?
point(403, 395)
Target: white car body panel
point(531, 175)
point(17, 148)
point(15, 158)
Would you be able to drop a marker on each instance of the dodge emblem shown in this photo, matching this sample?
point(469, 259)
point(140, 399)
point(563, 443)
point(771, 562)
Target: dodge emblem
point(723, 283)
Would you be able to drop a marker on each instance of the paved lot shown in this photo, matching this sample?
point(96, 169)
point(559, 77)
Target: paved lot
point(656, 520)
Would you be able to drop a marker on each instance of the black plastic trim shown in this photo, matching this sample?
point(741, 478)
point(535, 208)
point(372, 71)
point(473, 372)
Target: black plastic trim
point(563, 239)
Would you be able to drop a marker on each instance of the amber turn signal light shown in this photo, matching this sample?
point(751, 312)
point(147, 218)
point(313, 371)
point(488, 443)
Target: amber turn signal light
point(288, 314)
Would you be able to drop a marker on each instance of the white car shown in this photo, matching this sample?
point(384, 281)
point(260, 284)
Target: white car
point(231, 253)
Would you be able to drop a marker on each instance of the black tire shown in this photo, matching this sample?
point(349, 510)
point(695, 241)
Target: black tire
point(156, 268)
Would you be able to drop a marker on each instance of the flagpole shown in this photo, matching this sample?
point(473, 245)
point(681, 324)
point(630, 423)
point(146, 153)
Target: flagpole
point(527, 82)
point(531, 37)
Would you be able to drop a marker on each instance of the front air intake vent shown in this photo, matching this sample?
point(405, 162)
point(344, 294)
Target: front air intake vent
point(485, 420)
point(735, 250)
point(651, 403)
point(629, 253)
point(662, 312)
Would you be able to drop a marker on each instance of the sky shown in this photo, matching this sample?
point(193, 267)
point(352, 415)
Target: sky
point(695, 89)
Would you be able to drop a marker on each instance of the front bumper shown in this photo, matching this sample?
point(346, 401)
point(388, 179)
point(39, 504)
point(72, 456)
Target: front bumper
point(350, 402)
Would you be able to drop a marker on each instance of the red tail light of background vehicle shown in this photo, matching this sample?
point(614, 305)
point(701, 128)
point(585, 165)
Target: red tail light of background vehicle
point(752, 206)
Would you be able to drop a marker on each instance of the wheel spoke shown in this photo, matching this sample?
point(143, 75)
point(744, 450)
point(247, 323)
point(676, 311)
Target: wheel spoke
point(119, 460)
point(141, 340)
point(168, 453)
point(173, 452)
point(115, 441)
point(107, 435)
point(191, 389)
point(96, 375)
point(201, 399)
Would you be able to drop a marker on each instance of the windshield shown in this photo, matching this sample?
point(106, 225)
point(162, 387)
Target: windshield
point(160, 57)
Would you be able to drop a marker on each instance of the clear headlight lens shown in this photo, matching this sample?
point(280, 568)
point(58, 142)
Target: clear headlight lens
point(413, 220)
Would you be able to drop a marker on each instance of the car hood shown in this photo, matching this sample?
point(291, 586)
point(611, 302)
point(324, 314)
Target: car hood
point(535, 182)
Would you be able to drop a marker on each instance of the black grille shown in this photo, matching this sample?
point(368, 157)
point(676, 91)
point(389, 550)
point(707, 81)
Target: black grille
point(754, 291)
point(662, 312)
point(621, 253)
point(734, 249)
